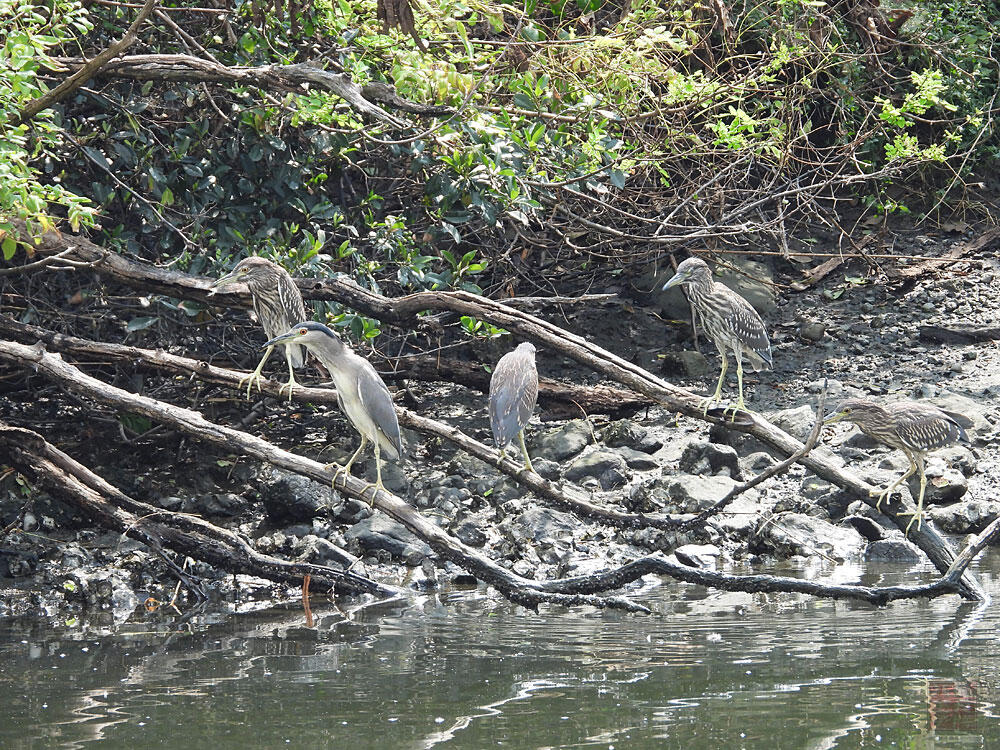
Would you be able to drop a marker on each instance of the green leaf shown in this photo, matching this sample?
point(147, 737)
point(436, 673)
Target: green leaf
point(141, 324)
point(9, 247)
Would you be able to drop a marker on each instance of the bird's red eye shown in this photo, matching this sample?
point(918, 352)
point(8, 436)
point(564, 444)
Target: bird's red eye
point(302, 332)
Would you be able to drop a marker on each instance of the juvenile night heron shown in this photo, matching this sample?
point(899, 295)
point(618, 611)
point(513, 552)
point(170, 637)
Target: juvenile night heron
point(513, 390)
point(363, 395)
point(912, 427)
point(728, 319)
point(278, 305)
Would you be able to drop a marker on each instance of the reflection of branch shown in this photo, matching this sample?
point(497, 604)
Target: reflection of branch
point(770, 471)
point(88, 70)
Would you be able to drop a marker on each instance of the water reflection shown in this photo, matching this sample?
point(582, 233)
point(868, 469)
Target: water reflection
point(466, 670)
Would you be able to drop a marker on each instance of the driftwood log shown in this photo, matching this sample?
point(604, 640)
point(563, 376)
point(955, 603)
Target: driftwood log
point(161, 529)
point(569, 591)
point(404, 311)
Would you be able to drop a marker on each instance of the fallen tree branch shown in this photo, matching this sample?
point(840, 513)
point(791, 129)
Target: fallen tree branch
point(87, 69)
point(296, 78)
point(959, 335)
point(516, 588)
point(555, 495)
point(404, 311)
point(79, 487)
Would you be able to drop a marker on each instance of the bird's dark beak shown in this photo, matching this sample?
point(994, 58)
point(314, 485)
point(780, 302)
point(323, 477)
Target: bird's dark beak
point(676, 279)
point(280, 339)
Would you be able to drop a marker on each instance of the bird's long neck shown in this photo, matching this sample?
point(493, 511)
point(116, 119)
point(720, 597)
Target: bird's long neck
point(700, 289)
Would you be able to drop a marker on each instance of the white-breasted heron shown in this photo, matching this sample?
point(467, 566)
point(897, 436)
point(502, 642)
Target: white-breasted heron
point(363, 395)
point(912, 427)
point(513, 391)
point(728, 319)
point(278, 305)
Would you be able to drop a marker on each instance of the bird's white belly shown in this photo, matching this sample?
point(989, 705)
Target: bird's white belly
point(351, 406)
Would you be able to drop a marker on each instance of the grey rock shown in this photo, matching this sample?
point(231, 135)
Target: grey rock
point(799, 534)
point(546, 469)
point(625, 433)
point(219, 504)
point(638, 460)
point(594, 463)
point(423, 578)
point(543, 525)
point(171, 502)
point(291, 497)
point(324, 551)
point(861, 441)
point(703, 457)
point(757, 462)
point(613, 478)
point(892, 550)
point(797, 422)
point(469, 533)
point(562, 444)
point(687, 493)
point(380, 533)
point(966, 517)
point(812, 331)
point(944, 484)
point(699, 555)
point(685, 363)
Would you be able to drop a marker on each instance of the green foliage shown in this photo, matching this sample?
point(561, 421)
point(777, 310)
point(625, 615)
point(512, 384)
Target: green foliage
point(32, 32)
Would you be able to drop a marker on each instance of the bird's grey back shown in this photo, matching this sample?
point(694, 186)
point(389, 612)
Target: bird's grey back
point(377, 400)
point(513, 392)
point(925, 427)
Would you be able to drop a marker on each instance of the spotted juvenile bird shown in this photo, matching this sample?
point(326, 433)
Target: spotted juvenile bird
point(363, 395)
point(278, 306)
point(728, 319)
point(910, 426)
point(513, 391)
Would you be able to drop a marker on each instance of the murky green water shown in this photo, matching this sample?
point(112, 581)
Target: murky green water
point(465, 670)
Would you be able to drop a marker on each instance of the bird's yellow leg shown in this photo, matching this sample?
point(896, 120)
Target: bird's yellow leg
point(524, 450)
point(918, 515)
point(291, 375)
point(378, 476)
point(717, 396)
point(887, 492)
point(255, 375)
point(740, 403)
point(346, 468)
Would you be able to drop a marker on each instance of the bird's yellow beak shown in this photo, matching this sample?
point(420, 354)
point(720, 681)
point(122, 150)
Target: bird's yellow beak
point(676, 279)
point(834, 417)
point(222, 281)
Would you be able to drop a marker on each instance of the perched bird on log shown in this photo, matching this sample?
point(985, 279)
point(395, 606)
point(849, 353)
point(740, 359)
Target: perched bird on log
point(912, 427)
point(728, 319)
point(278, 306)
point(513, 391)
point(363, 395)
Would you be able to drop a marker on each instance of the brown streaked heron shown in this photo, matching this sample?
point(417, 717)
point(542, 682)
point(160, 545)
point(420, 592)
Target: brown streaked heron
point(912, 427)
point(363, 395)
point(513, 391)
point(728, 319)
point(278, 305)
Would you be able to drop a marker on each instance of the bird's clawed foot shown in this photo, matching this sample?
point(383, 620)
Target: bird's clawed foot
point(734, 409)
point(375, 487)
point(253, 377)
point(290, 385)
point(918, 517)
point(881, 496)
point(706, 403)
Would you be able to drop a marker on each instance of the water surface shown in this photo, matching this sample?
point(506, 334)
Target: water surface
point(464, 669)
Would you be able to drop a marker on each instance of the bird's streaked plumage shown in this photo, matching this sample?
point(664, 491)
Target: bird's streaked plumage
point(277, 303)
point(910, 426)
point(726, 318)
point(513, 392)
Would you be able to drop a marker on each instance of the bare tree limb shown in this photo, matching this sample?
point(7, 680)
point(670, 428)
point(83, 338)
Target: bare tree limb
point(88, 69)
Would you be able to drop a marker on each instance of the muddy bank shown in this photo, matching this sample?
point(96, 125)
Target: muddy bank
point(858, 331)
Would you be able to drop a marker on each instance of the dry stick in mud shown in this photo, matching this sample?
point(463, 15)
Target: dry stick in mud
point(549, 493)
point(514, 587)
point(79, 487)
point(404, 311)
point(566, 591)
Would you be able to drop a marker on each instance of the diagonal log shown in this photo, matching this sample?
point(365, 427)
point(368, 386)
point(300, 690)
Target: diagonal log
point(404, 311)
point(79, 487)
point(516, 588)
